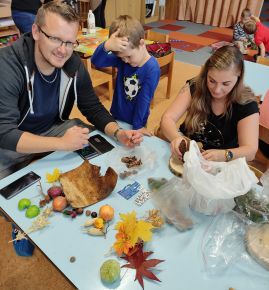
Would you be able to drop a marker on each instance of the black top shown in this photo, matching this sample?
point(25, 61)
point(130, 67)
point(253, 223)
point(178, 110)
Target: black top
point(220, 132)
point(30, 6)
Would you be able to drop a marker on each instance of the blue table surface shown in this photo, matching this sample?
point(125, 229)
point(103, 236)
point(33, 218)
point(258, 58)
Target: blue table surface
point(182, 251)
point(256, 77)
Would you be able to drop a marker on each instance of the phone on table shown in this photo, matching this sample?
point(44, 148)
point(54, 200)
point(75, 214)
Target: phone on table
point(19, 185)
point(99, 143)
point(97, 146)
point(87, 152)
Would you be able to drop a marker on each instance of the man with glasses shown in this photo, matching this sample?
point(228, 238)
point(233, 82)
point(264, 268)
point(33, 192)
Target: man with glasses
point(41, 79)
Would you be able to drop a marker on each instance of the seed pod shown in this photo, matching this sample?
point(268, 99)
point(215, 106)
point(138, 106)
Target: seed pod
point(95, 232)
point(89, 223)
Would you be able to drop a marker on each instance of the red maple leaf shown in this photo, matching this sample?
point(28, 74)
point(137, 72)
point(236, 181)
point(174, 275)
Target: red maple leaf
point(138, 260)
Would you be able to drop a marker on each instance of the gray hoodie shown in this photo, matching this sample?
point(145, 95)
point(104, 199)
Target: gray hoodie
point(17, 95)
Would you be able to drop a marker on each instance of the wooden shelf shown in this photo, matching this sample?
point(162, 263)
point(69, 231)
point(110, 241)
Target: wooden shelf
point(8, 31)
point(153, 18)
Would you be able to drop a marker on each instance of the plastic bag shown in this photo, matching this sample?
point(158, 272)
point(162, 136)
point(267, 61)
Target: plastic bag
point(265, 183)
point(223, 242)
point(173, 202)
point(228, 240)
point(215, 184)
point(144, 153)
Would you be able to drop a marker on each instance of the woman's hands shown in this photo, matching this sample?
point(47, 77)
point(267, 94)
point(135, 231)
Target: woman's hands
point(214, 155)
point(174, 145)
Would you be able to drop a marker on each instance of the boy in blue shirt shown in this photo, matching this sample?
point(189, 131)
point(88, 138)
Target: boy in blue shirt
point(138, 73)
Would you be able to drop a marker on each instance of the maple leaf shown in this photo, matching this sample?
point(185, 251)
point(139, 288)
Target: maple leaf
point(130, 231)
point(138, 261)
point(142, 231)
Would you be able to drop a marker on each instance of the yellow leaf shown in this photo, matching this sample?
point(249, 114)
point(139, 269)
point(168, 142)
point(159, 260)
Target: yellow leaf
point(142, 231)
point(54, 176)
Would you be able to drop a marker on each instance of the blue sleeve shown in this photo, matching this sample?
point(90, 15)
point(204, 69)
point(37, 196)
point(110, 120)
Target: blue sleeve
point(102, 58)
point(145, 96)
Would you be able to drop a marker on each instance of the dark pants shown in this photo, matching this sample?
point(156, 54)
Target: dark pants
point(11, 161)
point(99, 14)
point(23, 20)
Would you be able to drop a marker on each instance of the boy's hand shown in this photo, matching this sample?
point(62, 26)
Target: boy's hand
point(129, 138)
point(116, 43)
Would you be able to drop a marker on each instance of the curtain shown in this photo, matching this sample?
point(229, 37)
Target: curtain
point(221, 13)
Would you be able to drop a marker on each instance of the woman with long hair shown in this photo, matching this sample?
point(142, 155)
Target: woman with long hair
point(221, 112)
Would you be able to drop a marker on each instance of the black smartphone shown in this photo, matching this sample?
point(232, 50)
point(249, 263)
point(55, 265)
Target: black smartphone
point(19, 185)
point(87, 152)
point(99, 143)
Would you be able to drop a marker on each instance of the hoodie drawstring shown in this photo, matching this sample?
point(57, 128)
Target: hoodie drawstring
point(29, 90)
point(75, 89)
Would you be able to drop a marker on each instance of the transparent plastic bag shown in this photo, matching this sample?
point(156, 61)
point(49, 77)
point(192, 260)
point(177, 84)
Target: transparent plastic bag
point(215, 184)
point(144, 153)
point(223, 242)
point(229, 240)
point(265, 183)
point(173, 201)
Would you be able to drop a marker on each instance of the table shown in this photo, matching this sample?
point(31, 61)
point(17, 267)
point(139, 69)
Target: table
point(183, 267)
point(256, 76)
point(89, 42)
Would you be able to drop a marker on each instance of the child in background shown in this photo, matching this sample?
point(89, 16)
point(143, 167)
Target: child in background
point(240, 38)
point(138, 73)
point(261, 35)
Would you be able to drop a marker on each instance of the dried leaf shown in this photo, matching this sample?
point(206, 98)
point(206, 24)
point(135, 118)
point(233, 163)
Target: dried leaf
point(138, 261)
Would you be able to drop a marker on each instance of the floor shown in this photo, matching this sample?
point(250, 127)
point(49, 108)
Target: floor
point(192, 42)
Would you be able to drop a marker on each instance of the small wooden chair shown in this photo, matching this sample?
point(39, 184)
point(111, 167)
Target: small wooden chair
point(260, 162)
point(156, 36)
point(166, 64)
point(263, 60)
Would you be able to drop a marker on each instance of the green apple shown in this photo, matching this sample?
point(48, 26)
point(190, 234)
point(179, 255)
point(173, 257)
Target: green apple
point(110, 271)
point(24, 203)
point(32, 211)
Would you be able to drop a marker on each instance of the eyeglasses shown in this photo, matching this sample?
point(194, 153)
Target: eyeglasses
point(58, 42)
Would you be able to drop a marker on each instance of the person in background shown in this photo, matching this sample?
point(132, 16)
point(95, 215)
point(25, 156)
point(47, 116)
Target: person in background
point(261, 35)
point(138, 73)
point(99, 13)
point(23, 13)
point(41, 79)
point(222, 113)
point(240, 38)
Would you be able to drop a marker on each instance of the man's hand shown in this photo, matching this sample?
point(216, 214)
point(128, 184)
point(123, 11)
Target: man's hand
point(116, 43)
point(74, 138)
point(129, 138)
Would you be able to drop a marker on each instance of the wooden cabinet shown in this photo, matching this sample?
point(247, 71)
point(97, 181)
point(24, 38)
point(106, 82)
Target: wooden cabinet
point(154, 17)
point(135, 8)
point(8, 31)
point(5, 8)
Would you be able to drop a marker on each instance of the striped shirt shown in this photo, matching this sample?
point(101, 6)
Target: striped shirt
point(239, 33)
